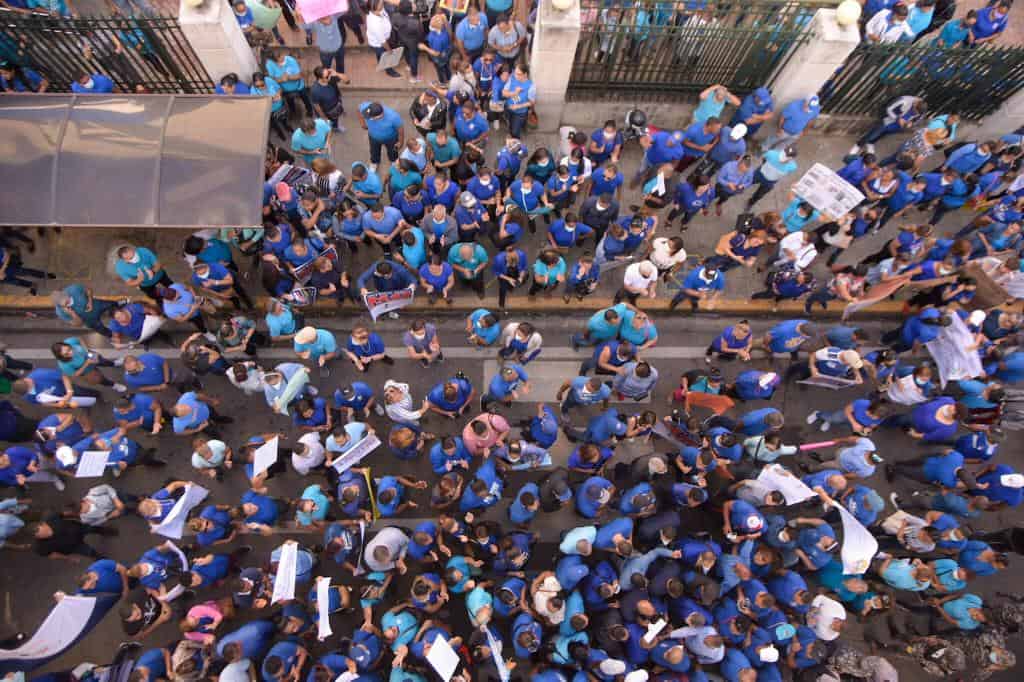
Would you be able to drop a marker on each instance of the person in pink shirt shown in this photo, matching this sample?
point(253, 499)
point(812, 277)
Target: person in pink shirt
point(484, 432)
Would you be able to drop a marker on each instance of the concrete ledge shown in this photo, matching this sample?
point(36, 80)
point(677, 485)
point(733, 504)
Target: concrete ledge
point(541, 304)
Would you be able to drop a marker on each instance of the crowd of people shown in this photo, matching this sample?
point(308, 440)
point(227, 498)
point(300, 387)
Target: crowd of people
point(686, 558)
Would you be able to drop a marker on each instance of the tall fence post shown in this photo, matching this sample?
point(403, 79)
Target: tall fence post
point(219, 43)
point(1007, 118)
point(555, 36)
point(813, 62)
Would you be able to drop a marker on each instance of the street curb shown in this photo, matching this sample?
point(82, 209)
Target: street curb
point(541, 304)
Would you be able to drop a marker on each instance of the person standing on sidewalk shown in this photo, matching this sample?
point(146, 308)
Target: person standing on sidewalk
point(793, 121)
point(383, 126)
point(775, 165)
point(329, 37)
point(139, 267)
point(75, 360)
point(378, 32)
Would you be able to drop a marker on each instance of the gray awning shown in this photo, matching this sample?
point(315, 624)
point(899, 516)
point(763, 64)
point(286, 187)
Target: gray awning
point(132, 160)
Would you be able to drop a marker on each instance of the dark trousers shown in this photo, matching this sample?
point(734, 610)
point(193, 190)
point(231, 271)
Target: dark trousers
point(763, 187)
point(354, 21)
point(391, 72)
point(150, 290)
point(391, 146)
point(516, 123)
point(503, 288)
point(680, 297)
point(291, 100)
point(476, 283)
point(16, 275)
point(338, 57)
point(878, 132)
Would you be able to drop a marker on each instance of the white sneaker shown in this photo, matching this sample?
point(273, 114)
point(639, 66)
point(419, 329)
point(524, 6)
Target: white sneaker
point(869, 148)
point(119, 388)
point(895, 499)
point(854, 150)
point(373, 168)
point(312, 390)
point(812, 417)
point(416, 81)
point(495, 124)
point(59, 485)
point(119, 362)
point(378, 410)
point(393, 315)
point(825, 426)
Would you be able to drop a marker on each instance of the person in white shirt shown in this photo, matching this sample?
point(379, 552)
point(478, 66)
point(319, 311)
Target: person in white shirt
point(386, 550)
point(889, 26)
point(640, 279)
point(826, 618)
point(668, 255)
point(398, 403)
point(378, 32)
point(796, 250)
point(308, 453)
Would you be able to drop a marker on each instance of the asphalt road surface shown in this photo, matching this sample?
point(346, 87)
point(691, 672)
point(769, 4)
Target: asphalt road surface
point(28, 582)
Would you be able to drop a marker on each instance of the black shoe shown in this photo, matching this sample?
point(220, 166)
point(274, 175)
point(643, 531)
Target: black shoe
point(890, 473)
point(221, 419)
point(388, 360)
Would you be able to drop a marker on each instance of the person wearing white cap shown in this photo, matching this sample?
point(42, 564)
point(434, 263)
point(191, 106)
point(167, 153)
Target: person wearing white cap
point(731, 146)
point(828, 362)
point(1004, 487)
point(793, 120)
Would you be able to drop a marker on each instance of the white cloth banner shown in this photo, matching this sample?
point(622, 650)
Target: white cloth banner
point(174, 524)
point(76, 400)
point(822, 188)
point(954, 353)
point(380, 302)
point(354, 454)
point(323, 607)
point(62, 627)
point(265, 456)
point(92, 463)
point(284, 579)
point(443, 658)
point(859, 545)
point(496, 654)
point(778, 477)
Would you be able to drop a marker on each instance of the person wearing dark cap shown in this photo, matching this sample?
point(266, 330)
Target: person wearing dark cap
point(383, 127)
point(555, 491)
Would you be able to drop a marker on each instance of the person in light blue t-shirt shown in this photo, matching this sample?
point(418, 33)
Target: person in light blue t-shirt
point(311, 139)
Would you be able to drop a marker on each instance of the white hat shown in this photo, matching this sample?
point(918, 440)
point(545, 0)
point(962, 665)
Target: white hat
point(976, 317)
point(738, 131)
point(612, 666)
point(306, 335)
point(66, 456)
point(768, 654)
point(636, 676)
point(1012, 480)
point(852, 358)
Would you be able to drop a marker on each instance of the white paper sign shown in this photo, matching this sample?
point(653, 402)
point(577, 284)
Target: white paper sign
point(953, 352)
point(354, 454)
point(859, 545)
point(323, 601)
point(76, 400)
point(653, 629)
point(496, 654)
point(777, 477)
point(92, 463)
point(174, 524)
point(443, 658)
point(284, 579)
point(380, 302)
point(264, 457)
point(822, 188)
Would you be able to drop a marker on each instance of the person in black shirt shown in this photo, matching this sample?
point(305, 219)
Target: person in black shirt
point(142, 612)
point(599, 212)
point(58, 538)
point(327, 96)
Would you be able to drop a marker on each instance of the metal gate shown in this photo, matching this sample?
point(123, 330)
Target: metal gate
point(666, 49)
point(969, 82)
point(140, 54)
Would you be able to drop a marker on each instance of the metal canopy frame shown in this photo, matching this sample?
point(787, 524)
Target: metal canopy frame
point(158, 161)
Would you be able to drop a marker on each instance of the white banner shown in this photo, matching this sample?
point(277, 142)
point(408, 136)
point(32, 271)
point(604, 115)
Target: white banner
point(66, 622)
point(92, 463)
point(496, 654)
point(284, 579)
point(443, 658)
point(859, 545)
point(822, 188)
point(954, 353)
point(173, 525)
point(76, 400)
point(777, 477)
point(323, 604)
point(354, 454)
point(380, 302)
point(265, 456)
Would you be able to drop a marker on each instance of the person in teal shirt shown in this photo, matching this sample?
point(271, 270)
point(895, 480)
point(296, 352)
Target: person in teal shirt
point(265, 86)
point(76, 360)
point(956, 31)
point(413, 253)
point(965, 611)
point(285, 69)
point(316, 345)
point(140, 267)
point(638, 329)
point(312, 507)
point(444, 149)
point(399, 628)
point(905, 574)
point(469, 260)
point(712, 101)
point(798, 215)
point(281, 321)
point(479, 604)
point(483, 328)
point(602, 326)
point(548, 272)
point(310, 140)
point(366, 184)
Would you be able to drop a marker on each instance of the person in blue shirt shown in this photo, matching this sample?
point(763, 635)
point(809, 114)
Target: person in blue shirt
point(957, 32)
point(917, 331)
point(92, 84)
point(511, 381)
point(384, 129)
point(311, 140)
point(788, 337)
point(482, 328)
point(364, 348)
point(691, 196)
point(991, 22)
point(703, 283)
point(15, 78)
point(583, 391)
point(607, 180)
point(471, 127)
point(698, 140)
point(734, 177)
point(366, 186)
point(666, 147)
point(355, 400)
point(452, 396)
point(285, 658)
point(471, 37)
point(287, 72)
point(138, 411)
point(754, 110)
point(568, 232)
point(524, 505)
point(793, 121)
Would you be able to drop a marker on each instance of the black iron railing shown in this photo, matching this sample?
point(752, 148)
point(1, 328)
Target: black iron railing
point(667, 49)
point(970, 82)
point(149, 54)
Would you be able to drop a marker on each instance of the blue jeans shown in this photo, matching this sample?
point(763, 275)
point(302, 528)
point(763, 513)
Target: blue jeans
point(516, 122)
point(338, 57)
point(878, 132)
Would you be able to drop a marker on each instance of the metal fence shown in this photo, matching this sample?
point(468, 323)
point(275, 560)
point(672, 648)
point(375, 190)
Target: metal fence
point(140, 54)
point(969, 82)
point(667, 49)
